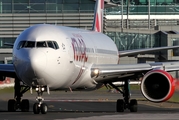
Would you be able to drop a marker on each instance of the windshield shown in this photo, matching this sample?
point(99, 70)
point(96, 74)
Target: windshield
point(38, 44)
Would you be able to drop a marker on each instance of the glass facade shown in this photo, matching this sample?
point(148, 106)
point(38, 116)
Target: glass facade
point(140, 7)
point(46, 6)
point(136, 7)
point(6, 40)
point(128, 41)
point(14, 18)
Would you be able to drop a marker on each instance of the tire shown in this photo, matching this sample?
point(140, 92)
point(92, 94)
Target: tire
point(36, 108)
point(25, 105)
point(43, 108)
point(133, 105)
point(120, 105)
point(11, 105)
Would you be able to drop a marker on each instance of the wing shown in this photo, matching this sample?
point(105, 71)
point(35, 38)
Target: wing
point(142, 51)
point(113, 72)
point(157, 85)
point(7, 70)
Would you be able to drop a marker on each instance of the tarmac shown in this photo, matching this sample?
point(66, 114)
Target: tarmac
point(97, 105)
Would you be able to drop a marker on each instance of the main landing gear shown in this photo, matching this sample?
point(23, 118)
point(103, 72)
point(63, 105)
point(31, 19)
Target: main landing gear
point(40, 106)
point(17, 103)
point(125, 103)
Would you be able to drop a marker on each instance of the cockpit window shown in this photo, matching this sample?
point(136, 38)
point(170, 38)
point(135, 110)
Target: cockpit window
point(56, 45)
point(38, 44)
point(50, 44)
point(41, 44)
point(21, 44)
point(29, 44)
point(26, 44)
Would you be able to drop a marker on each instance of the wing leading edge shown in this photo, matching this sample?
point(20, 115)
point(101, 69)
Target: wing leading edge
point(108, 73)
point(7, 70)
point(142, 51)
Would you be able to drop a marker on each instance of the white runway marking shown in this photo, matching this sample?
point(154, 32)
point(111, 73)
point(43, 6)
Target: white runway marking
point(99, 100)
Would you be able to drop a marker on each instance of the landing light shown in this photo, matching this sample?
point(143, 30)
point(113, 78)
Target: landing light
point(43, 89)
point(36, 89)
point(95, 73)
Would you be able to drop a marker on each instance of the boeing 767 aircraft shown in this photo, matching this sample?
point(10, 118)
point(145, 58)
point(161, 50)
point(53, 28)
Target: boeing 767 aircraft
point(49, 57)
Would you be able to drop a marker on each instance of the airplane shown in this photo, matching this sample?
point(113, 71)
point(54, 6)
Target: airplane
point(50, 57)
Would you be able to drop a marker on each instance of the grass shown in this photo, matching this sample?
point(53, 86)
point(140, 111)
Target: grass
point(7, 90)
point(174, 98)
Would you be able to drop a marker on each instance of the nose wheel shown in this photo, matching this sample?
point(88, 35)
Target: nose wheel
point(39, 106)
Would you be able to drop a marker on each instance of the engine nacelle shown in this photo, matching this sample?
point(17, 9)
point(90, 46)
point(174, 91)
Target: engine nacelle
point(157, 86)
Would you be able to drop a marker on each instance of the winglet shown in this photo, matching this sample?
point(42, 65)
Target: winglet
point(98, 16)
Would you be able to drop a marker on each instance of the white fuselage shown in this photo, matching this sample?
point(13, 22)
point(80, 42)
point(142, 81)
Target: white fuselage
point(63, 66)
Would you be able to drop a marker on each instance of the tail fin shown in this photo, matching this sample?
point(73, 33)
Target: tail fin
point(98, 16)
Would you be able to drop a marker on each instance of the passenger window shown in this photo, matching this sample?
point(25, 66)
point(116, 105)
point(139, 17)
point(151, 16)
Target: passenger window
point(29, 44)
point(41, 44)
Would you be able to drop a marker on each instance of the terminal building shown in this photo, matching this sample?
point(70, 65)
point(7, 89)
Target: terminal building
point(132, 24)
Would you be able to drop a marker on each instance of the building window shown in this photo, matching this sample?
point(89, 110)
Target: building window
point(6, 40)
point(175, 42)
point(71, 8)
point(37, 8)
point(21, 8)
point(71, 1)
point(129, 41)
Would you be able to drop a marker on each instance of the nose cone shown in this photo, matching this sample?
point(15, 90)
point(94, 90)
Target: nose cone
point(29, 64)
point(37, 61)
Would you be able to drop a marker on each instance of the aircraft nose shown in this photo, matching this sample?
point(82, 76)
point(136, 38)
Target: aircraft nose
point(29, 65)
point(37, 61)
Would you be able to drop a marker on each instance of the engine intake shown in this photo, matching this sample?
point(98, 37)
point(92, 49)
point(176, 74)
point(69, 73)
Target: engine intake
point(157, 86)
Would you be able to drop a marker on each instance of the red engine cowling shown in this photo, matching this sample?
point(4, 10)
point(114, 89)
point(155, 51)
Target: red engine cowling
point(157, 86)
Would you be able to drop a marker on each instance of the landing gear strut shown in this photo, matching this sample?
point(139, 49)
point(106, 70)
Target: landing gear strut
point(23, 105)
point(125, 103)
point(39, 106)
point(17, 103)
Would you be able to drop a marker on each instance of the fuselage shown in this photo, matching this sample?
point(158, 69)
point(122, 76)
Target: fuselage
point(61, 57)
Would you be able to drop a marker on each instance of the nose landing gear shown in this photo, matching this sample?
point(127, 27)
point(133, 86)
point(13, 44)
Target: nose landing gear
point(39, 106)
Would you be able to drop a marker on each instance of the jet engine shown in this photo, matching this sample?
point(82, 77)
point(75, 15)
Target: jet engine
point(157, 86)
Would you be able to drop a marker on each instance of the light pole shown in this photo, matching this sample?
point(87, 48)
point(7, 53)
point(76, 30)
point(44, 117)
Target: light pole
point(127, 20)
point(148, 14)
point(122, 15)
